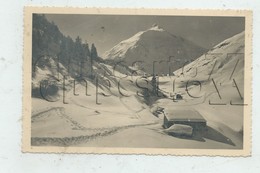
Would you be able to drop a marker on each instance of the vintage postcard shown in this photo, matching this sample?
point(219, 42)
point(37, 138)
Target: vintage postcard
point(137, 81)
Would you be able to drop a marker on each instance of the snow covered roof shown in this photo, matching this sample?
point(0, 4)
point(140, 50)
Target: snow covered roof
point(184, 115)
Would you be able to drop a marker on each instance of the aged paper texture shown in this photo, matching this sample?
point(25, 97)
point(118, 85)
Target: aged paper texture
point(137, 81)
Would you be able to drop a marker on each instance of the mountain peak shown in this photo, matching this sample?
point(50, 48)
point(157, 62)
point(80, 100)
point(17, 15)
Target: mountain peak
point(154, 44)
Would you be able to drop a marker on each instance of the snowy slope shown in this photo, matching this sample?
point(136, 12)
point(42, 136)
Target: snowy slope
point(155, 44)
point(47, 77)
point(223, 62)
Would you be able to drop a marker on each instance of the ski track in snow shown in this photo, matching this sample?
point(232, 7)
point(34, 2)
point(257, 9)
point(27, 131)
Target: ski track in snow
point(59, 111)
point(69, 141)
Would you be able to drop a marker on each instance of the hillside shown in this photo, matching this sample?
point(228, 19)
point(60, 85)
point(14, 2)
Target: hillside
point(75, 55)
point(56, 56)
point(216, 81)
point(223, 62)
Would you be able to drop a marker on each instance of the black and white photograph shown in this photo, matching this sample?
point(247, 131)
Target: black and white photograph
point(139, 81)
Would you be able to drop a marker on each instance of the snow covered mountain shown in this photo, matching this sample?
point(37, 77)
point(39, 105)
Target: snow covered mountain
point(222, 67)
point(224, 62)
point(155, 44)
point(213, 84)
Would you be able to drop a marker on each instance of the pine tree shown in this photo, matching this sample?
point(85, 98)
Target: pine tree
point(154, 85)
point(93, 52)
point(93, 56)
point(84, 61)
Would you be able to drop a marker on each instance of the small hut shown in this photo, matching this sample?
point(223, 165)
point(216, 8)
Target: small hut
point(184, 116)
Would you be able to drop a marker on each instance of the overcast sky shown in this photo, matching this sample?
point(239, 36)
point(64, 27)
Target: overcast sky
point(105, 31)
